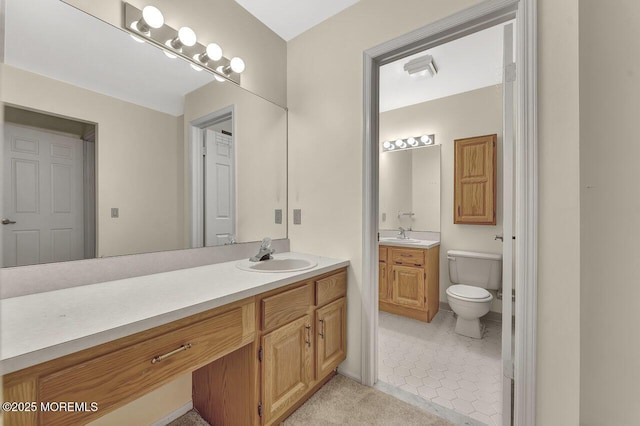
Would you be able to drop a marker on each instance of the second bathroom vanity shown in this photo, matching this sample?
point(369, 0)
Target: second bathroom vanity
point(409, 277)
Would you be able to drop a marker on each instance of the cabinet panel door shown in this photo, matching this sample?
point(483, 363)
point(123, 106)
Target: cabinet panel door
point(383, 283)
point(287, 366)
point(331, 336)
point(408, 286)
point(475, 180)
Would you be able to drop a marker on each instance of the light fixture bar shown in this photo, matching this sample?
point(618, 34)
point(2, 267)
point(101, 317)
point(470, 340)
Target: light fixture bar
point(409, 143)
point(161, 37)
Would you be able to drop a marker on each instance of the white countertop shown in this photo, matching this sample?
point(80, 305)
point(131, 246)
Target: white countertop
point(422, 244)
point(44, 326)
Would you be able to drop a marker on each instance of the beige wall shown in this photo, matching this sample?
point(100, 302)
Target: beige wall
point(138, 161)
point(610, 200)
point(325, 134)
point(474, 113)
point(218, 21)
point(396, 188)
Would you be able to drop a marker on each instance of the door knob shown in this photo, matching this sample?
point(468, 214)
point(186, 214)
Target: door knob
point(8, 222)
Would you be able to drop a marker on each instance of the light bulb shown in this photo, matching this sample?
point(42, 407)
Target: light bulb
point(214, 52)
point(195, 67)
point(387, 145)
point(152, 16)
point(187, 36)
point(399, 143)
point(412, 141)
point(220, 69)
point(138, 39)
point(237, 65)
point(425, 139)
point(169, 55)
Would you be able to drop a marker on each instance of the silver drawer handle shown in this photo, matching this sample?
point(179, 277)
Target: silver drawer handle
point(167, 355)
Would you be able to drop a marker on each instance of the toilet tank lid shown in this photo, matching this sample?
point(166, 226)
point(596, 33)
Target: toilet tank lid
point(474, 254)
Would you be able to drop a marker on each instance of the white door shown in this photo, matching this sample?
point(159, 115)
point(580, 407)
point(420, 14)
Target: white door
point(508, 80)
point(43, 218)
point(219, 183)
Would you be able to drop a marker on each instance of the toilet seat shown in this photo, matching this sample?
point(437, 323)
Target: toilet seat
point(469, 293)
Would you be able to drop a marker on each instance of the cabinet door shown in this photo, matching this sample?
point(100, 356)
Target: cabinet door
point(408, 286)
point(475, 180)
point(383, 283)
point(287, 366)
point(332, 336)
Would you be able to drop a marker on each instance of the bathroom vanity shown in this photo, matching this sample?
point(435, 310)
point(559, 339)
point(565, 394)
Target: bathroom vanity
point(257, 344)
point(409, 278)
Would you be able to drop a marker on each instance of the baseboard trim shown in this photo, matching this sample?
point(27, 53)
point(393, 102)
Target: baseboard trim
point(491, 316)
point(174, 414)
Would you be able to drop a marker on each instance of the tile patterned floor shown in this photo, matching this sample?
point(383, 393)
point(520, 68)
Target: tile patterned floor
point(432, 361)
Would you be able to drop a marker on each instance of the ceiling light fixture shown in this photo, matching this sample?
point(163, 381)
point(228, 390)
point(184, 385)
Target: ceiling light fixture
point(409, 143)
point(148, 25)
point(422, 63)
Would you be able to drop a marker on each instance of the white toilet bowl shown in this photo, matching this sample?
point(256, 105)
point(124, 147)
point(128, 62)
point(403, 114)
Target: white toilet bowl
point(469, 303)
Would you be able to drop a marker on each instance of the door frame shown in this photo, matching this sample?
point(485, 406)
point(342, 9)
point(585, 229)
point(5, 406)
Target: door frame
point(478, 17)
point(196, 132)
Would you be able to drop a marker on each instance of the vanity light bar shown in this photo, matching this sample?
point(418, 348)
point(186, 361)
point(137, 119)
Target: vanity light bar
point(409, 143)
point(182, 43)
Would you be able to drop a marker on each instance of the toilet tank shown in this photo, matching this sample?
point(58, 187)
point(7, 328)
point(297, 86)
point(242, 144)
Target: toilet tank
point(474, 268)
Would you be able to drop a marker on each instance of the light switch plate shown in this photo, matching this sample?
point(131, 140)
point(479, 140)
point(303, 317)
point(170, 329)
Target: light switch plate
point(115, 212)
point(278, 216)
point(297, 216)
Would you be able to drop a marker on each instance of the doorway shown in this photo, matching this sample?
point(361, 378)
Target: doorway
point(49, 188)
point(469, 21)
point(213, 179)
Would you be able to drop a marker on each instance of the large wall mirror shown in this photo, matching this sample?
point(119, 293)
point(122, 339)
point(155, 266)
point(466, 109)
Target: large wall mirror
point(111, 148)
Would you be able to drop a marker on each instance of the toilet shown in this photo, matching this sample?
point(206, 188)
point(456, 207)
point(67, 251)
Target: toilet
point(472, 274)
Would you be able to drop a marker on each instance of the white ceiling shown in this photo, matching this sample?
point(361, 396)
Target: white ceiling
point(465, 64)
point(51, 38)
point(289, 18)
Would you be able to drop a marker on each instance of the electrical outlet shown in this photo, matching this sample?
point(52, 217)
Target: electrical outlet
point(278, 216)
point(297, 216)
point(115, 212)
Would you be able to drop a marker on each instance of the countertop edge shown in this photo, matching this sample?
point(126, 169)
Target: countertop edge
point(29, 359)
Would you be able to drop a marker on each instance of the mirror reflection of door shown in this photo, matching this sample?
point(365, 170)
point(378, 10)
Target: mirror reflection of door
point(48, 207)
point(219, 185)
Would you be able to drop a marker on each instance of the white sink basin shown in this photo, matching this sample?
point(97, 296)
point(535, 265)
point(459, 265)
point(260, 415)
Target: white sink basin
point(400, 240)
point(276, 265)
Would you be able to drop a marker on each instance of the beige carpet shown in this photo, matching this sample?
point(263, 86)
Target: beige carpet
point(344, 402)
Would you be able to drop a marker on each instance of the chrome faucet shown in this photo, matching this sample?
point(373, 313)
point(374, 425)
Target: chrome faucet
point(401, 233)
point(265, 251)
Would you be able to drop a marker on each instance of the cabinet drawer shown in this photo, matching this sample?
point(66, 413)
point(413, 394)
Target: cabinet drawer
point(128, 372)
point(331, 288)
point(407, 256)
point(285, 307)
point(382, 254)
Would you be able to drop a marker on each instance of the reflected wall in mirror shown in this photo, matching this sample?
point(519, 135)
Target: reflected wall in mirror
point(146, 111)
point(410, 189)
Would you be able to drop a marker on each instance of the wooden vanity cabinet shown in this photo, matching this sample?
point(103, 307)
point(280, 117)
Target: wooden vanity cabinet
point(253, 362)
point(300, 353)
point(409, 281)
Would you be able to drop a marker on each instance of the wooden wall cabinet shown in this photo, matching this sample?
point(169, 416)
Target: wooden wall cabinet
point(409, 281)
point(475, 171)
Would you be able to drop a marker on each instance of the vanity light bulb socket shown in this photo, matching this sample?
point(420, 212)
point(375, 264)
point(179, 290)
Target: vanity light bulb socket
point(412, 141)
point(185, 37)
point(387, 145)
point(425, 139)
point(151, 18)
point(237, 65)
